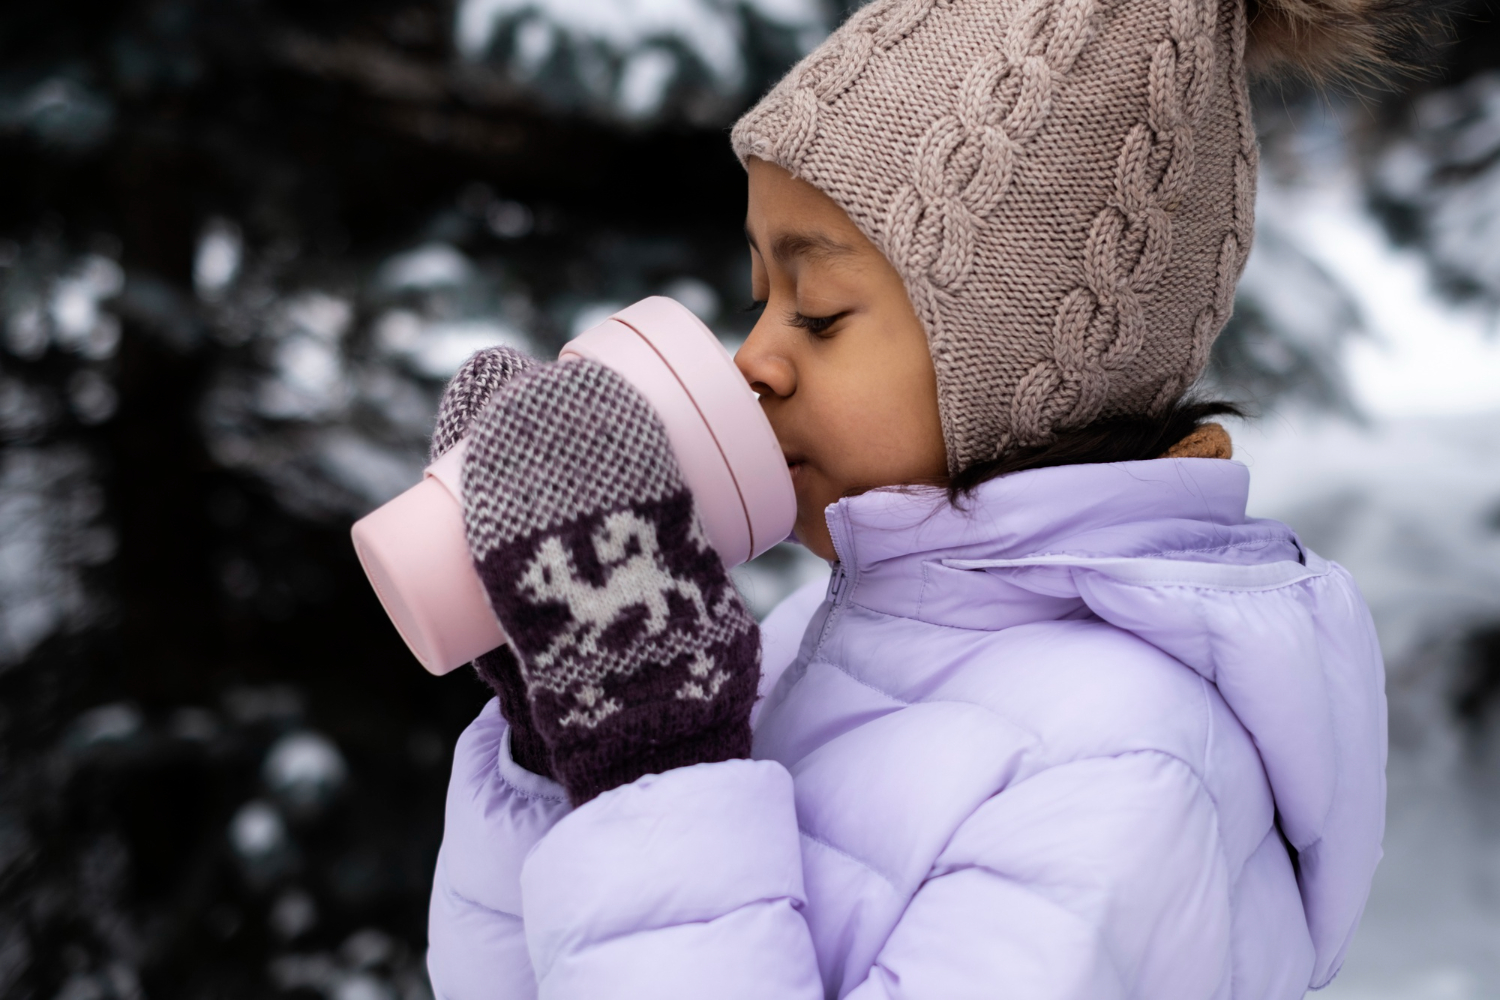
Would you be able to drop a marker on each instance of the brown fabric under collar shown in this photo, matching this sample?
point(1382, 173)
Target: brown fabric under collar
point(1208, 441)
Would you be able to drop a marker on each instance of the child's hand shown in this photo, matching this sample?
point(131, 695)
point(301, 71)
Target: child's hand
point(468, 392)
point(636, 651)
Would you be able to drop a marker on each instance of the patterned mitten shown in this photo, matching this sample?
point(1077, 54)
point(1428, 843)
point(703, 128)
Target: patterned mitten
point(468, 391)
point(637, 652)
point(474, 385)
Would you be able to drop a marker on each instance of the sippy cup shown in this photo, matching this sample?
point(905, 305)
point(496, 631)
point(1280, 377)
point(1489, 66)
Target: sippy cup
point(413, 548)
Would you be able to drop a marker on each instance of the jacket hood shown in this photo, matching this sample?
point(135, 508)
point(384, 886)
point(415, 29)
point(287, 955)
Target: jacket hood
point(1164, 550)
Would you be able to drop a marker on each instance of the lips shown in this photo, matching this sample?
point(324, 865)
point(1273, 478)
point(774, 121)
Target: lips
point(794, 465)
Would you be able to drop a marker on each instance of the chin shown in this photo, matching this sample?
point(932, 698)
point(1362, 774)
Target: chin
point(811, 532)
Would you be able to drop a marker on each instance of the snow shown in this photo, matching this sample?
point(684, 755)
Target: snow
point(316, 314)
point(105, 724)
point(78, 322)
point(508, 219)
point(645, 35)
point(369, 470)
point(61, 112)
point(362, 986)
point(1447, 167)
point(1427, 356)
point(1300, 300)
point(257, 831)
point(294, 913)
point(767, 580)
point(592, 314)
point(304, 769)
point(336, 412)
point(366, 948)
point(25, 334)
point(438, 350)
point(218, 257)
point(50, 534)
point(309, 380)
point(432, 265)
point(536, 40)
point(1292, 319)
point(92, 396)
point(644, 81)
point(699, 297)
point(355, 972)
point(1432, 929)
point(623, 25)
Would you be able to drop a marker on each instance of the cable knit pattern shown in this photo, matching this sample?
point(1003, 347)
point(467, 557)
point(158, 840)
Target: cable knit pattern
point(1101, 324)
point(1065, 186)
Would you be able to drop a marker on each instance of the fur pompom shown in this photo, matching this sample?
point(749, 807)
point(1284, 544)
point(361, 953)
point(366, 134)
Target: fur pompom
point(1334, 40)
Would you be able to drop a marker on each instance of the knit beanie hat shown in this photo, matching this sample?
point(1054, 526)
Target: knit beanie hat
point(1066, 187)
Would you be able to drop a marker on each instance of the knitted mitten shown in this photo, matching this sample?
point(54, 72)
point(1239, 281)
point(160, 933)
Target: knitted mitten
point(637, 653)
point(468, 392)
point(478, 380)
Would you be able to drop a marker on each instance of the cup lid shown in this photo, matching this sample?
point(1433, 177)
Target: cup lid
point(728, 408)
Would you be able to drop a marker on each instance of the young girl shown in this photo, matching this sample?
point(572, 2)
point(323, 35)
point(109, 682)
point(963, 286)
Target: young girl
point(1067, 723)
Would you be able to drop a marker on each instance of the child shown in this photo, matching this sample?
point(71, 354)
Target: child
point(1067, 723)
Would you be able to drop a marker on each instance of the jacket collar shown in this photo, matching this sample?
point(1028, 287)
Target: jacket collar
point(894, 545)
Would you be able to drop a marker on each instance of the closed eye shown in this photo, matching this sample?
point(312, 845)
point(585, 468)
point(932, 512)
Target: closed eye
point(815, 325)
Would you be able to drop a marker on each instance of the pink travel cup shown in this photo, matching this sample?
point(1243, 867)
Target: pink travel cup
point(413, 548)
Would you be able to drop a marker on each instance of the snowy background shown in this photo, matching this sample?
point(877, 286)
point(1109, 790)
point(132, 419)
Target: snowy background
point(242, 244)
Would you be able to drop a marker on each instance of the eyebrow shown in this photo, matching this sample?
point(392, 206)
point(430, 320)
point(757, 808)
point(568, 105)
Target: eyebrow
point(809, 246)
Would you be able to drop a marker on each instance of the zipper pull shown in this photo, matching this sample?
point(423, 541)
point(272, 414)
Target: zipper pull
point(836, 583)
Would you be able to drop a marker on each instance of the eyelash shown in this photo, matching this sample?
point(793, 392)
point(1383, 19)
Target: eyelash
point(815, 325)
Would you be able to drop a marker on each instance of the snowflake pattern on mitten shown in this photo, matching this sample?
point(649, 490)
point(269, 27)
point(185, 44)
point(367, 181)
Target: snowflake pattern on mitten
point(637, 652)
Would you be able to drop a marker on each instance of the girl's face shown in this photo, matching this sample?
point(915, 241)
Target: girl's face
point(838, 356)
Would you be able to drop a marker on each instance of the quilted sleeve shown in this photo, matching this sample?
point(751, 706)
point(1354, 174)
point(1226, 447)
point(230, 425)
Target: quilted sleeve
point(686, 884)
point(1097, 879)
point(496, 813)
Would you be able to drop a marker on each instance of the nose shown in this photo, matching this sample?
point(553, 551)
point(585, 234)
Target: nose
point(765, 365)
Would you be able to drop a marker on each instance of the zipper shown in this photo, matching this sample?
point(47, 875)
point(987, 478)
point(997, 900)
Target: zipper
point(837, 583)
point(838, 591)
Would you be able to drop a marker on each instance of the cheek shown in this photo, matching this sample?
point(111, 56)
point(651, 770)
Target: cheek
point(880, 427)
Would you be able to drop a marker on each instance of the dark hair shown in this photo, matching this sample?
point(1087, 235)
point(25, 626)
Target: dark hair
point(1114, 439)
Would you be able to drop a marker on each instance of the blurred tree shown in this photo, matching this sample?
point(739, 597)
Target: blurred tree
point(1435, 173)
point(242, 244)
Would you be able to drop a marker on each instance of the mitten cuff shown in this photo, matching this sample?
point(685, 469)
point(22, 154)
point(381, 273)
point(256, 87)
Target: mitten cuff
point(590, 770)
point(524, 780)
point(498, 669)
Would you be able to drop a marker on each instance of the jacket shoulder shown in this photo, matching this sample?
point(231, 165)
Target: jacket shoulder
point(1081, 688)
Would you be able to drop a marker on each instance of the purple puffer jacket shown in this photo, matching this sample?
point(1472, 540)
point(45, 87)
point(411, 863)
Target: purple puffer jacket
point(1065, 743)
